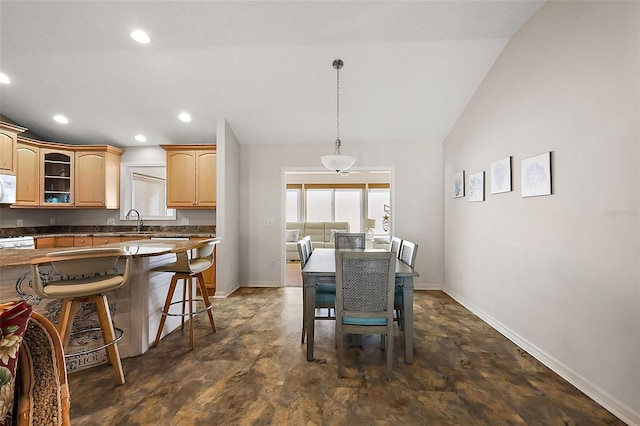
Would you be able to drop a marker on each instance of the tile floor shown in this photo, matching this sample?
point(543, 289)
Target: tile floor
point(253, 372)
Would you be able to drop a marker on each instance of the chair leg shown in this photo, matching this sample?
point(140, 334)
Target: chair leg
point(205, 298)
point(190, 291)
point(340, 339)
point(106, 325)
point(65, 321)
point(389, 349)
point(185, 281)
point(165, 310)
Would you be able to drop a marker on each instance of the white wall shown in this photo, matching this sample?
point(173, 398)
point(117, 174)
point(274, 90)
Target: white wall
point(228, 206)
point(416, 191)
point(558, 274)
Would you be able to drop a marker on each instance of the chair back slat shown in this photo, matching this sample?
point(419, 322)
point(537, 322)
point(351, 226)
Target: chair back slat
point(395, 245)
point(408, 253)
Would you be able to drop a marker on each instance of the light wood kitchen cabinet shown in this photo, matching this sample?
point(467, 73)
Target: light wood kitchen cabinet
point(63, 176)
point(46, 242)
point(191, 176)
point(49, 242)
point(83, 241)
point(56, 177)
point(8, 141)
point(97, 177)
point(27, 173)
point(100, 240)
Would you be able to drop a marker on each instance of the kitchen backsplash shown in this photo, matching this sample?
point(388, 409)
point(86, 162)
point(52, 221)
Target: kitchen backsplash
point(38, 230)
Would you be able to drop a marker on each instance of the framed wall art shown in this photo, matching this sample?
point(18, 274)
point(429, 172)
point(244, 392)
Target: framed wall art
point(535, 175)
point(458, 184)
point(476, 187)
point(501, 176)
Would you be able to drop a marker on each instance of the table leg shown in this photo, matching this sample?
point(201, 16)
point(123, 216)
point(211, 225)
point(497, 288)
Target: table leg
point(407, 307)
point(309, 300)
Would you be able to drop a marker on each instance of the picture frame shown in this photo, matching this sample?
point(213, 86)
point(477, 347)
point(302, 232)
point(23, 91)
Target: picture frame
point(476, 187)
point(535, 175)
point(501, 176)
point(458, 184)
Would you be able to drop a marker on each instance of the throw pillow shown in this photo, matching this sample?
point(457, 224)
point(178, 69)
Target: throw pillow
point(13, 323)
point(292, 235)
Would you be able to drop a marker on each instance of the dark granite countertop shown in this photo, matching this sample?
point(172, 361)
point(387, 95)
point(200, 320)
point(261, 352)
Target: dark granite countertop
point(115, 231)
point(12, 258)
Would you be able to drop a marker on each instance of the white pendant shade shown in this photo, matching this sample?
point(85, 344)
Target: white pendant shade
point(337, 162)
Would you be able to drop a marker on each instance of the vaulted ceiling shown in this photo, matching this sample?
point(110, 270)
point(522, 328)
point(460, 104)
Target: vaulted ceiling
point(265, 66)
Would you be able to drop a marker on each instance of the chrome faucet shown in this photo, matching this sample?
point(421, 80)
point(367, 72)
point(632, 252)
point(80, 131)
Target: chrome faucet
point(139, 222)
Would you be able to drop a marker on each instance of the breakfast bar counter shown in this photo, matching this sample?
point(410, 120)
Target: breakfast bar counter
point(135, 307)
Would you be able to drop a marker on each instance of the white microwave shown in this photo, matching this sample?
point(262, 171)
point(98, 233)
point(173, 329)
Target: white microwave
point(7, 189)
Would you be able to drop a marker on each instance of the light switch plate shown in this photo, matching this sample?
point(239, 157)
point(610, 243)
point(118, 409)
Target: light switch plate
point(185, 221)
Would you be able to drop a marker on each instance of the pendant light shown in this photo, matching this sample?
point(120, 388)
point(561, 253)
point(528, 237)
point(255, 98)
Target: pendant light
point(337, 161)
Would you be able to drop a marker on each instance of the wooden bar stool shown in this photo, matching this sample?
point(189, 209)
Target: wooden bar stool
point(186, 269)
point(86, 275)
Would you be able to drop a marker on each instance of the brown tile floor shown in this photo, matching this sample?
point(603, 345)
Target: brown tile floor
point(253, 371)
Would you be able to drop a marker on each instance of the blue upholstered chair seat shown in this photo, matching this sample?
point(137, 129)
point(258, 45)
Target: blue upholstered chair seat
point(364, 321)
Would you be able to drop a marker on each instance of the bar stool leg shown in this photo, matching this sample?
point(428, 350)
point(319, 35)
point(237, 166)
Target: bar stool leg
point(65, 321)
point(205, 298)
point(108, 333)
point(190, 310)
point(184, 300)
point(165, 310)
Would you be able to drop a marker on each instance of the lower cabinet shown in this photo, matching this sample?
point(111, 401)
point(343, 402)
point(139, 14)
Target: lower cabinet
point(49, 242)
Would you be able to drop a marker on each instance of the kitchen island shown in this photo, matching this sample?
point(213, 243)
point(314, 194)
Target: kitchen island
point(135, 307)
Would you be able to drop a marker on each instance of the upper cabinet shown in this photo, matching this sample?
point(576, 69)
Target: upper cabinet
point(56, 177)
point(98, 177)
point(191, 176)
point(27, 174)
point(62, 176)
point(8, 144)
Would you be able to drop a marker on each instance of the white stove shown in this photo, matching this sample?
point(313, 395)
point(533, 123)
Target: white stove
point(17, 242)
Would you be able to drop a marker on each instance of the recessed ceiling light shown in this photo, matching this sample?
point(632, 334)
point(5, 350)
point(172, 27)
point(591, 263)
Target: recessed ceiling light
point(184, 116)
point(61, 119)
point(4, 79)
point(140, 36)
point(140, 138)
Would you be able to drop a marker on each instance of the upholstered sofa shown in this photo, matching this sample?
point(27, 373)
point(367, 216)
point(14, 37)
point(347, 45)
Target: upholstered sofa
point(321, 234)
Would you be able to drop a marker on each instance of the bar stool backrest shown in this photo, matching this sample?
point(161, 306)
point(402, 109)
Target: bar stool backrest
point(81, 262)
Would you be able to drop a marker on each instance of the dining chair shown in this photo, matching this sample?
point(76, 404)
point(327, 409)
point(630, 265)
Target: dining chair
point(407, 254)
point(307, 241)
point(86, 276)
point(396, 242)
point(365, 283)
point(350, 240)
point(325, 292)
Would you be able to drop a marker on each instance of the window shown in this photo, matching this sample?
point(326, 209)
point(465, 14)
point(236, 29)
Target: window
point(319, 205)
point(348, 207)
point(378, 198)
point(293, 204)
point(337, 202)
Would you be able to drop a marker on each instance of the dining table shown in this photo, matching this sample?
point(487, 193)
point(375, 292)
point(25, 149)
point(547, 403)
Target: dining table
point(321, 266)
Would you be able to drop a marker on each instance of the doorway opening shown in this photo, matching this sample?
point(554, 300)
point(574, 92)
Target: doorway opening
point(360, 201)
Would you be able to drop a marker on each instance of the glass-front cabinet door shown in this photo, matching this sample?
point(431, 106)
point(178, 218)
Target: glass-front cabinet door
point(57, 178)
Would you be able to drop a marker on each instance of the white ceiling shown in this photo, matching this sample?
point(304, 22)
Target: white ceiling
point(410, 68)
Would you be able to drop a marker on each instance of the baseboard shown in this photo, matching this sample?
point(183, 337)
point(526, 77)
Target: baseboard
point(261, 284)
point(427, 286)
point(616, 407)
